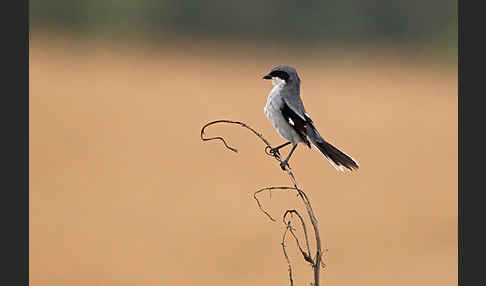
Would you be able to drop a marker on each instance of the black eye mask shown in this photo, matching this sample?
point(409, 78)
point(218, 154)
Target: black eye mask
point(280, 74)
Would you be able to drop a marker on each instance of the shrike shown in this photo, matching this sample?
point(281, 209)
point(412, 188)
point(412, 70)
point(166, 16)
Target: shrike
point(287, 114)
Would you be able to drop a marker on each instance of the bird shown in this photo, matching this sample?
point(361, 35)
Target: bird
point(285, 110)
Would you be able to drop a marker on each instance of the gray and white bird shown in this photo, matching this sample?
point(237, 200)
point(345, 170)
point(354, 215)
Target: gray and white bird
point(287, 114)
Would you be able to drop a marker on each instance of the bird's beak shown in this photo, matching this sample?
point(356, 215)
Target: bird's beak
point(267, 76)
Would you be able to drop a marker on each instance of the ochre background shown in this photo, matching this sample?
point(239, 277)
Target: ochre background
point(124, 192)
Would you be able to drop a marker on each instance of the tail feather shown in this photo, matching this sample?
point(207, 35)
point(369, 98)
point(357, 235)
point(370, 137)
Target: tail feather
point(337, 158)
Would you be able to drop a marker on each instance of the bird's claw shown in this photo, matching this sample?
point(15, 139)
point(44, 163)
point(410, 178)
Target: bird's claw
point(275, 152)
point(283, 164)
point(272, 151)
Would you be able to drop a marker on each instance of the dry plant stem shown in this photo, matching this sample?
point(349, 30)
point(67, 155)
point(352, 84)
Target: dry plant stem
point(268, 189)
point(307, 255)
point(317, 261)
point(286, 256)
point(222, 139)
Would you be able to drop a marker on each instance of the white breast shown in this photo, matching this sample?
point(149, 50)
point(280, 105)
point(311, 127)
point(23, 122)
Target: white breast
point(272, 111)
point(274, 101)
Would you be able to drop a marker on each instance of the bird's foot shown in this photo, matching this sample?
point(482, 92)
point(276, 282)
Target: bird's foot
point(283, 164)
point(275, 152)
point(272, 152)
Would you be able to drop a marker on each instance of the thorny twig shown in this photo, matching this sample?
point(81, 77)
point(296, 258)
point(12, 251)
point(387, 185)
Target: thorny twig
point(317, 261)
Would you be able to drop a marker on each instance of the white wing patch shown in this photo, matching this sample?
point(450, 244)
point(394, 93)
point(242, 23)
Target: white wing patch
point(291, 122)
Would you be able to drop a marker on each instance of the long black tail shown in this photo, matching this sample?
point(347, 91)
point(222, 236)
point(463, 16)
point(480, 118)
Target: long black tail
point(337, 158)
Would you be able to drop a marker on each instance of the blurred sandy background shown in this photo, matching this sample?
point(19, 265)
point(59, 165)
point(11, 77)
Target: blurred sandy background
point(124, 192)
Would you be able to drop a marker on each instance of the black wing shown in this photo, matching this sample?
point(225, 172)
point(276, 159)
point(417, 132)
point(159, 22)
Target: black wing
point(298, 123)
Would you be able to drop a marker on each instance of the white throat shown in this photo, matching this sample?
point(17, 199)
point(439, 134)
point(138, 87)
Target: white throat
point(276, 81)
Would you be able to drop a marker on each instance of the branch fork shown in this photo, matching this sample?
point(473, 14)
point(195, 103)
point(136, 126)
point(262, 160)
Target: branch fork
point(316, 262)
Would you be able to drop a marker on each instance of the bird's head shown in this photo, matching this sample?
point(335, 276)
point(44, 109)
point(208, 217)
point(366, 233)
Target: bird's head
point(283, 73)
